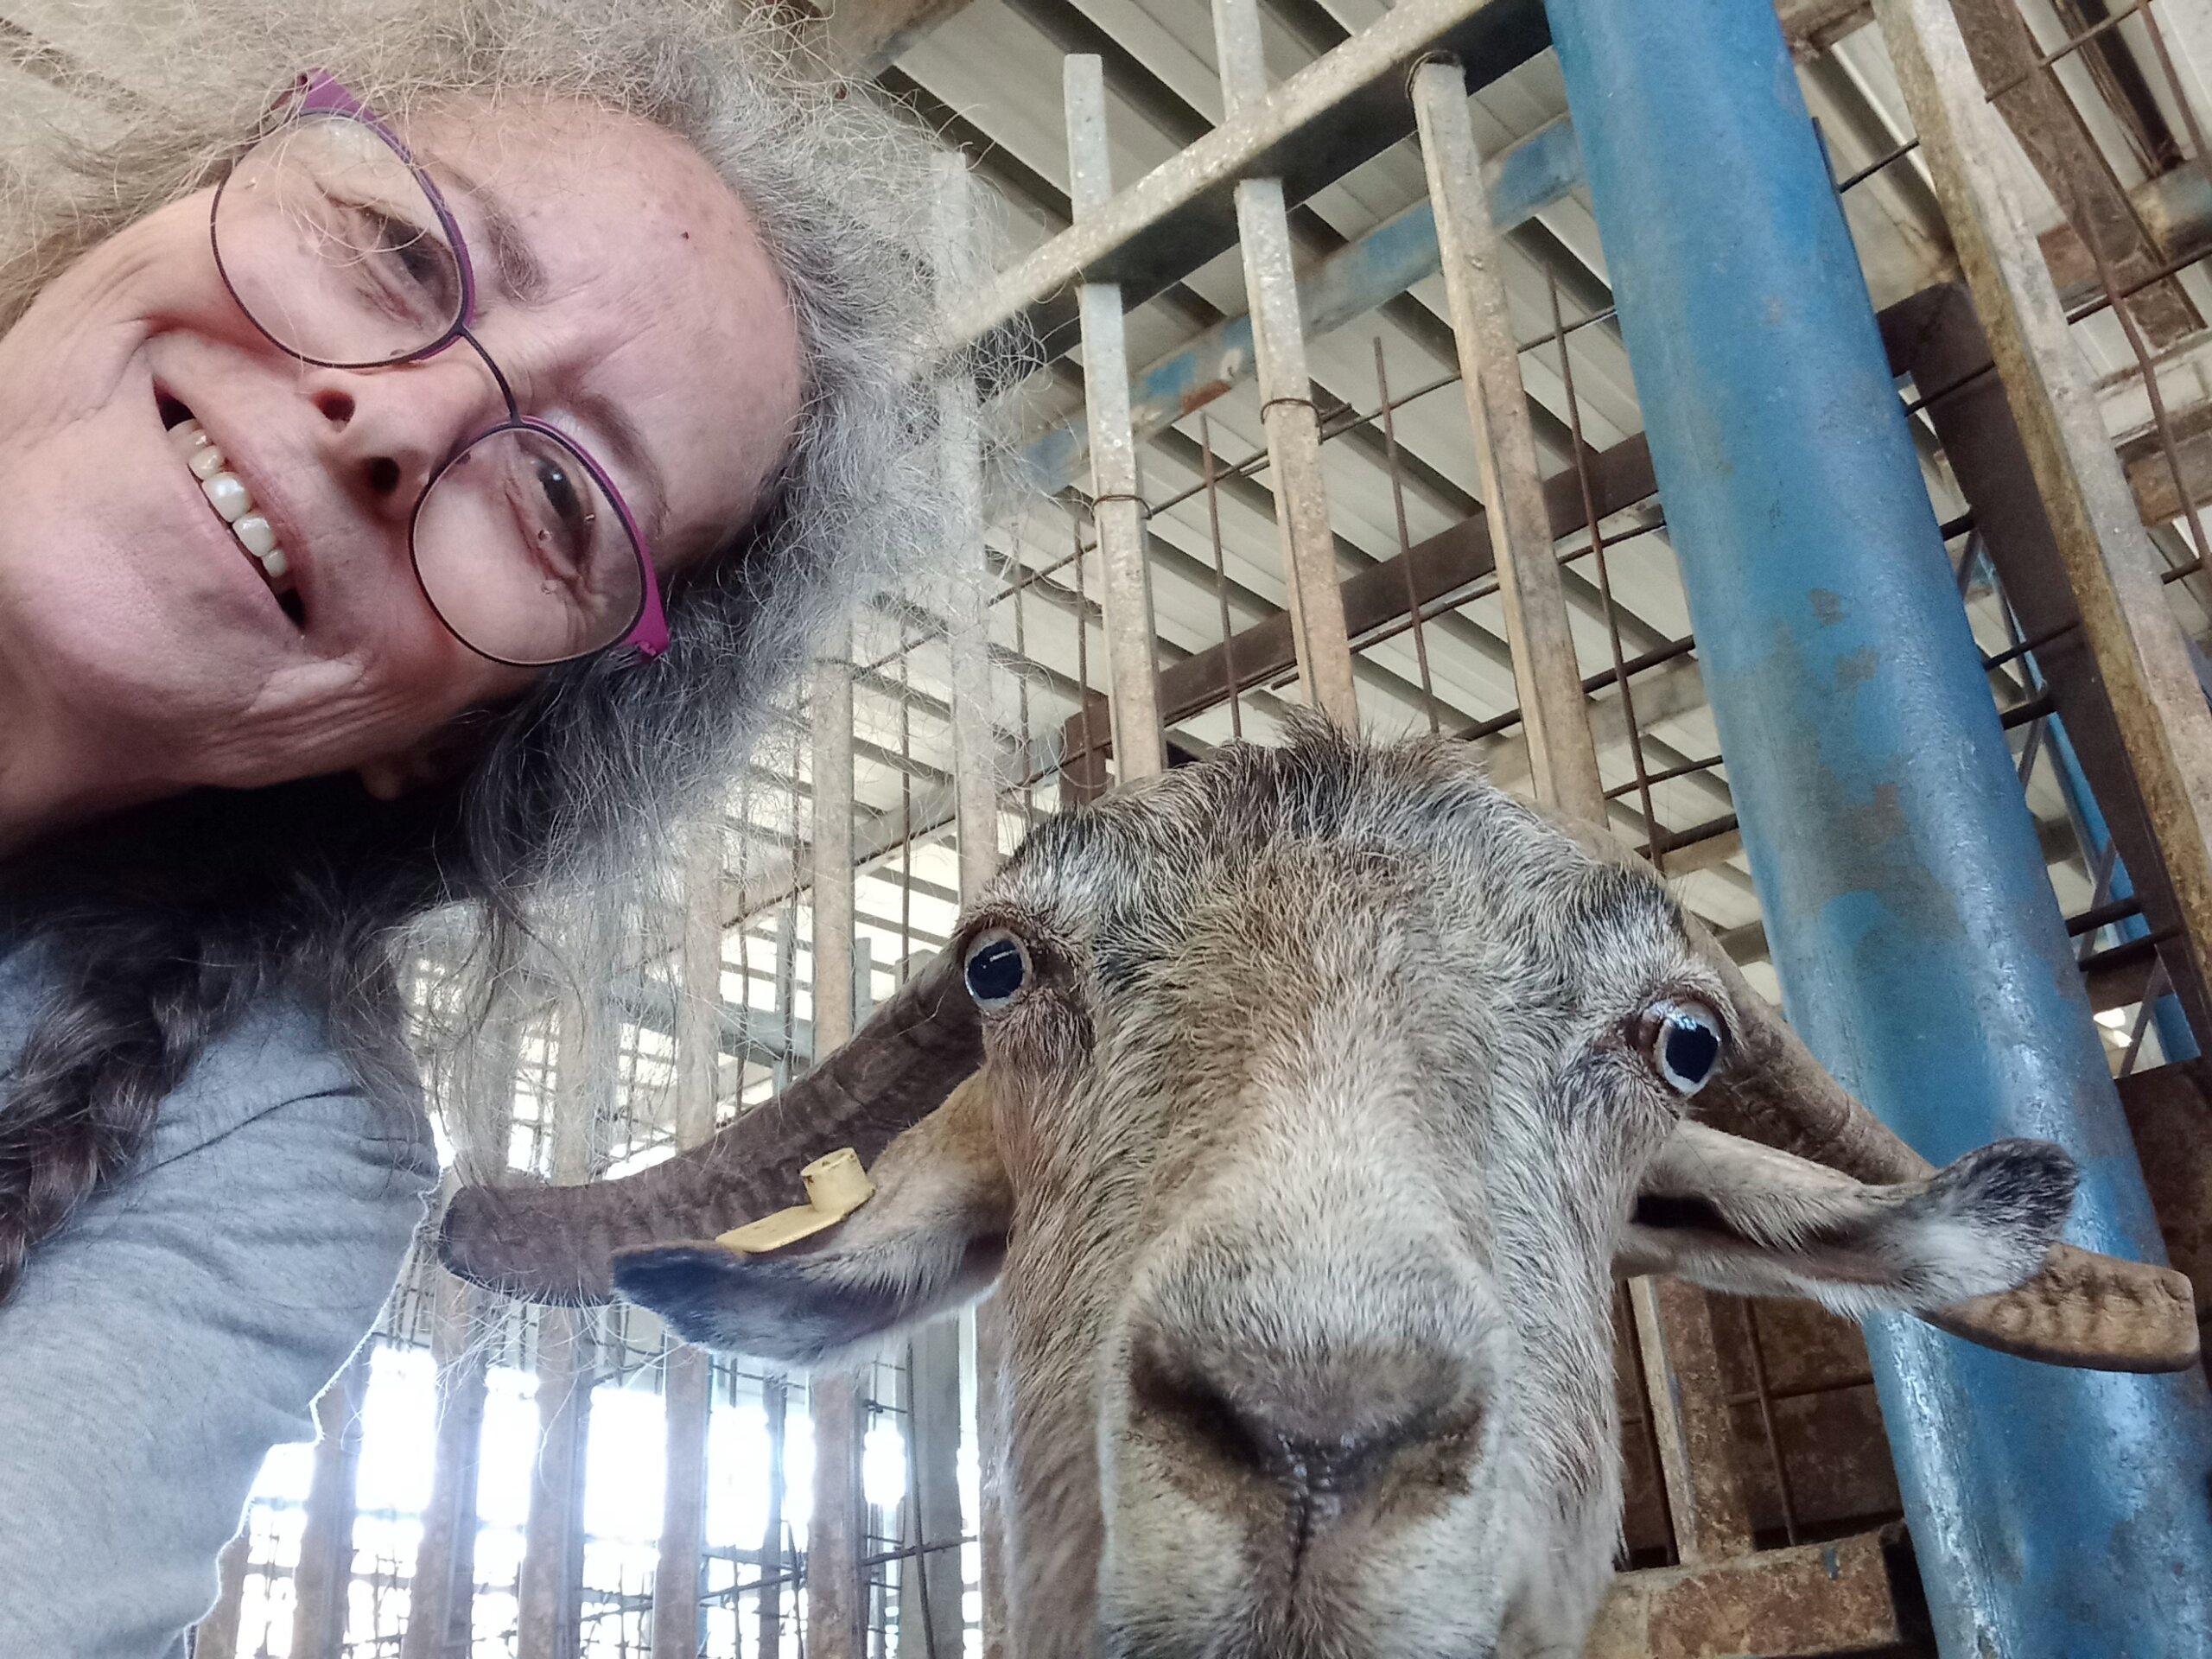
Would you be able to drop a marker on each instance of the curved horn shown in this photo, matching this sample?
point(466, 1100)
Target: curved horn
point(1773, 1089)
point(2090, 1310)
point(556, 1243)
point(2082, 1309)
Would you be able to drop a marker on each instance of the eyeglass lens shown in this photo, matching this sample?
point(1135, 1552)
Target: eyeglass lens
point(522, 554)
point(330, 243)
point(328, 239)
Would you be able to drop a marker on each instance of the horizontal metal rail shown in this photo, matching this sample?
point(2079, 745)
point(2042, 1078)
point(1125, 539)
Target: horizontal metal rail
point(1520, 182)
point(1338, 111)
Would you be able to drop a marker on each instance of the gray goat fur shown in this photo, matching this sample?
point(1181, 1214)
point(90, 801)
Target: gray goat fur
point(1302, 1162)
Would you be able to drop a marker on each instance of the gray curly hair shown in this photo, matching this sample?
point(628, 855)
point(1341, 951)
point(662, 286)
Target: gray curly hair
point(161, 927)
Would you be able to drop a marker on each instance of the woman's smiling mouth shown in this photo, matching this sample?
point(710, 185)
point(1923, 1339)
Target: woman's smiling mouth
point(233, 503)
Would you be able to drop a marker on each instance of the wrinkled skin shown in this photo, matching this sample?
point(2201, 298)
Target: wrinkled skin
point(1302, 1155)
point(141, 652)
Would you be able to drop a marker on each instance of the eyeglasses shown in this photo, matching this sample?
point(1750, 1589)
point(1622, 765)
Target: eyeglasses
point(340, 248)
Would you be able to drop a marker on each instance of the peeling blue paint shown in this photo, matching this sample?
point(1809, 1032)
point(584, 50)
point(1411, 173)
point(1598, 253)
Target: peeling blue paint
point(1920, 947)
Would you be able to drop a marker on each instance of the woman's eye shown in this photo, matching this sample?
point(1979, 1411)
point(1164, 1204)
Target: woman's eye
point(413, 268)
point(997, 968)
point(560, 492)
point(560, 512)
point(1681, 1040)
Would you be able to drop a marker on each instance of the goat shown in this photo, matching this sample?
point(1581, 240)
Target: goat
point(1323, 1092)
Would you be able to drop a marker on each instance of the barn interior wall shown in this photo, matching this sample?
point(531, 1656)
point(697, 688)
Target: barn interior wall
point(2100, 140)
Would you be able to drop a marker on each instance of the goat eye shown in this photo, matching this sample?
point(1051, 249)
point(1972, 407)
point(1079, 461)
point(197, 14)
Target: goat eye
point(1682, 1040)
point(997, 968)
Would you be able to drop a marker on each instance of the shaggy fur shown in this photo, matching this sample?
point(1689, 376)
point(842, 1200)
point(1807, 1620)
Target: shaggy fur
point(1309, 1141)
point(159, 926)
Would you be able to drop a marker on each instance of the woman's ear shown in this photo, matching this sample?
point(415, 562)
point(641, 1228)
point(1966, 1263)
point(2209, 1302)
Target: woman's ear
point(431, 758)
point(391, 776)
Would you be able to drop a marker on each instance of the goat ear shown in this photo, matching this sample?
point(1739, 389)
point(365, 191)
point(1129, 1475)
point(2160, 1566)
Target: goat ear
point(1732, 1215)
point(930, 1239)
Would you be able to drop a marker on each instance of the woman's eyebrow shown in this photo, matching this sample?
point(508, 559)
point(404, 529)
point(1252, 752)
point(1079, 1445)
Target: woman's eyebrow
point(517, 277)
point(516, 274)
point(608, 419)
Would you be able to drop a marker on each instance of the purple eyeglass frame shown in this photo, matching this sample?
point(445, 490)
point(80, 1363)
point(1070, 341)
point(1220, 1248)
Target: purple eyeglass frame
point(320, 94)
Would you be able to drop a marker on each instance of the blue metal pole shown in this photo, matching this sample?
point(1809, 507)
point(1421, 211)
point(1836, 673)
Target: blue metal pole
point(1920, 947)
point(2175, 1040)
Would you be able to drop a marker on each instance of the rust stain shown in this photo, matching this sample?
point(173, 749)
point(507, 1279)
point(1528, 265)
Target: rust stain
point(1199, 396)
point(1858, 667)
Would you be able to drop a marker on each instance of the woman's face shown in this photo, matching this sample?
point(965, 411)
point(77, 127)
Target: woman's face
point(624, 292)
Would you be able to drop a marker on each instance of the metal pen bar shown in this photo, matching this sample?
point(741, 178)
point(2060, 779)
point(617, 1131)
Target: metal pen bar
point(1285, 392)
point(1563, 758)
point(837, 1595)
point(2164, 724)
point(1405, 545)
point(1116, 504)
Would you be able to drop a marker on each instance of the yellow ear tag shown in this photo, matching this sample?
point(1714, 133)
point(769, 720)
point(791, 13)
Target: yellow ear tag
point(835, 1186)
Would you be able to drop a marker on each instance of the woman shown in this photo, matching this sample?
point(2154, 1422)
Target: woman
point(431, 437)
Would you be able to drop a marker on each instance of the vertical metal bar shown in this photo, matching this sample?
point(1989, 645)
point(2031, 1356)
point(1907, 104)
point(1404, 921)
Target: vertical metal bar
point(1086, 778)
point(974, 737)
point(932, 1612)
point(837, 1595)
point(322, 1580)
point(906, 814)
point(1914, 929)
point(1652, 836)
point(1309, 549)
point(2165, 725)
point(441, 1592)
point(687, 1375)
point(788, 1060)
point(1220, 576)
point(1022, 720)
point(1116, 500)
point(1755, 1350)
point(768, 1601)
point(1689, 1418)
point(548, 1593)
point(1563, 759)
point(1405, 546)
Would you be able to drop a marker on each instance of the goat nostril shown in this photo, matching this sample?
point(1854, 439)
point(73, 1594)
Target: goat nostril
point(1199, 1413)
point(384, 475)
point(336, 407)
point(1333, 1426)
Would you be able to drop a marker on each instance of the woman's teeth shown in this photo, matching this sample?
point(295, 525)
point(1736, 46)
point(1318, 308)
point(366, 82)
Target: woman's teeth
point(226, 493)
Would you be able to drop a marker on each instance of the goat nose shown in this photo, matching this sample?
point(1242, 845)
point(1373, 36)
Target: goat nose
point(1317, 1417)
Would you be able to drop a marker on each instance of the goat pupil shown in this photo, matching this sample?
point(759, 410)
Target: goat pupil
point(1690, 1052)
point(995, 973)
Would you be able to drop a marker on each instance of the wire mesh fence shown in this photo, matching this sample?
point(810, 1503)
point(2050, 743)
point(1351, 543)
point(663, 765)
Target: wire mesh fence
point(1431, 656)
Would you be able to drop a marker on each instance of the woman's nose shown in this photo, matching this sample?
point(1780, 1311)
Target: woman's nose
point(388, 431)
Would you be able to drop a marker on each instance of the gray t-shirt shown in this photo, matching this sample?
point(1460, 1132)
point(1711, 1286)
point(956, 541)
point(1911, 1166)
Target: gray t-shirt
point(182, 1324)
